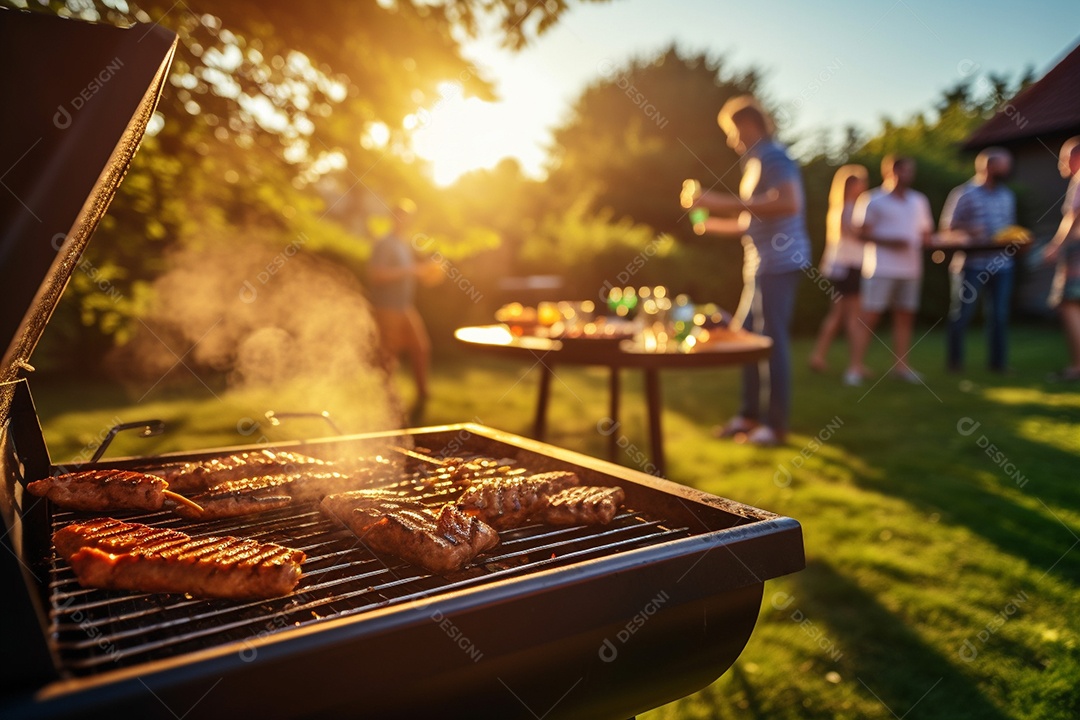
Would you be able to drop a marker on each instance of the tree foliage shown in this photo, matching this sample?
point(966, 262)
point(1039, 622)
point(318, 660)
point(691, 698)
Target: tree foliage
point(276, 117)
point(636, 133)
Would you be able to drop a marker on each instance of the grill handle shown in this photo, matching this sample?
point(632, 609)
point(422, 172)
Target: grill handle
point(276, 417)
point(148, 428)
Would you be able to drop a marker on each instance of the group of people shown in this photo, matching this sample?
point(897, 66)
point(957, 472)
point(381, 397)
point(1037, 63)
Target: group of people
point(873, 256)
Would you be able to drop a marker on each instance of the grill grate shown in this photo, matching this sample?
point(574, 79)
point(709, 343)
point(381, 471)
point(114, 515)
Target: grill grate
point(97, 630)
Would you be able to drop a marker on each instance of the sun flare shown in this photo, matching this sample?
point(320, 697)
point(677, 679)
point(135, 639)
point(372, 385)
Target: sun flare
point(460, 134)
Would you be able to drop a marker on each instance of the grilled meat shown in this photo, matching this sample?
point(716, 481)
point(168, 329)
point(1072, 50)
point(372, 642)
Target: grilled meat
point(200, 475)
point(441, 541)
point(358, 510)
point(583, 505)
point(509, 502)
point(454, 471)
point(245, 496)
point(108, 491)
point(111, 554)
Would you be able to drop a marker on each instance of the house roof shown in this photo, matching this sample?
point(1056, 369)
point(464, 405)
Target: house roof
point(1050, 105)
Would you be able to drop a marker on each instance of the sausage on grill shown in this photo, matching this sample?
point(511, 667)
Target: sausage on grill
point(111, 554)
point(245, 496)
point(583, 505)
point(199, 475)
point(109, 491)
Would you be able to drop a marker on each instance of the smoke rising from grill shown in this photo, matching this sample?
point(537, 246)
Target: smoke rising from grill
point(267, 318)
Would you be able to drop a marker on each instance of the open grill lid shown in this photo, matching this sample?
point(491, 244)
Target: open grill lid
point(77, 99)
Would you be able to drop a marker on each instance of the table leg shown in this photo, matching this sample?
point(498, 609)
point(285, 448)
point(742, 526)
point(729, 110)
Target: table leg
point(540, 421)
point(613, 414)
point(655, 402)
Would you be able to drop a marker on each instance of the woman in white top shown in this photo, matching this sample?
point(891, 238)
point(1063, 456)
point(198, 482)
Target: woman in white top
point(842, 261)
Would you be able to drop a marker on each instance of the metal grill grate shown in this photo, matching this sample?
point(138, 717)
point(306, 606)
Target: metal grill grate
point(97, 630)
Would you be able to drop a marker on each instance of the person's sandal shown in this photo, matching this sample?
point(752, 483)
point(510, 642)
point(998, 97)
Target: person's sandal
point(763, 436)
point(737, 425)
point(1066, 375)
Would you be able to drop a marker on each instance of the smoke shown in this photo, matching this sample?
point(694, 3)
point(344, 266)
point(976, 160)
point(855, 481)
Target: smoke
point(265, 318)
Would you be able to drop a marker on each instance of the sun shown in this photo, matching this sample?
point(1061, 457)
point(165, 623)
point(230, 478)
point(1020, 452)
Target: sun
point(459, 134)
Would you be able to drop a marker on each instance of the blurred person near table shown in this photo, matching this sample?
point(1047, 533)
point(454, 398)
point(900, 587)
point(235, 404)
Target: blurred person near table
point(841, 263)
point(768, 214)
point(895, 222)
point(1064, 249)
point(980, 208)
point(393, 271)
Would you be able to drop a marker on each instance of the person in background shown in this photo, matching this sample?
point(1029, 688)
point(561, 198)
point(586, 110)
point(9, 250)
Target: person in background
point(768, 213)
point(895, 222)
point(1064, 249)
point(392, 273)
point(980, 208)
point(842, 262)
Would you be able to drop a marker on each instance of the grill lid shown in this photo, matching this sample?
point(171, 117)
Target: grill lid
point(76, 102)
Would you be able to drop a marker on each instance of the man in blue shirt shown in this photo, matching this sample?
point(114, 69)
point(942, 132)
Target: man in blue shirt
point(392, 275)
point(768, 213)
point(980, 208)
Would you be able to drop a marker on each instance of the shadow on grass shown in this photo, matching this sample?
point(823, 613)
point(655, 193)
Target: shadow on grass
point(971, 478)
point(871, 639)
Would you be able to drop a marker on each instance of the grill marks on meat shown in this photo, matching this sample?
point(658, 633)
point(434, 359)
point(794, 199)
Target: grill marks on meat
point(108, 491)
point(111, 554)
point(245, 496)
point(441, 541)
point(358, 510)
point(583, 506)
point(509, 502)
point(461, 471)
point(555, 498)
point(200, 475)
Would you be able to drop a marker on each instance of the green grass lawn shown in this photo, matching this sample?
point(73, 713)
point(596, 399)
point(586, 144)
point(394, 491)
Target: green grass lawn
point(941, 522)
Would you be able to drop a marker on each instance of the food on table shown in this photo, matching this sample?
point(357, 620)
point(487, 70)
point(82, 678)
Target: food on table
point(510, 502)
point(583, 505)
point(115, 555)
point(1013, 235)
point(110, 490)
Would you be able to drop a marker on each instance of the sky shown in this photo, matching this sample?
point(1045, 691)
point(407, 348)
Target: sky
point(827, 64)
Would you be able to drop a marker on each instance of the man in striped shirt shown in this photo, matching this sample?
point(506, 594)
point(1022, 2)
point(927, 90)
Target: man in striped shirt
point(981, 207)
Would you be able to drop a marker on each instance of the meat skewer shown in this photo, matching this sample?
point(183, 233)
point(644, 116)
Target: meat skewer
point(110, 554)
point(109, 491)
point(509, 502)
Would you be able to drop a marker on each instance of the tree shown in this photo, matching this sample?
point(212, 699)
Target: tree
point(636, 133)
point(265, 101)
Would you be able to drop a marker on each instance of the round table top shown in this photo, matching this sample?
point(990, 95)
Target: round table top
point(497, 339)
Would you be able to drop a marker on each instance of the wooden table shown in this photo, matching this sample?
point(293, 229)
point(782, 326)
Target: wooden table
point(497, 340)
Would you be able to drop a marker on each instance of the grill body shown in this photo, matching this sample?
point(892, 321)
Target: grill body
point(595, 622)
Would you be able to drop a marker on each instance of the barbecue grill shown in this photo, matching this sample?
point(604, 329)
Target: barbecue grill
point(596, 622)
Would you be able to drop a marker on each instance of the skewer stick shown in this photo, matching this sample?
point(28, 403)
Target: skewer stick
point(419, 456)
point(181, 500)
